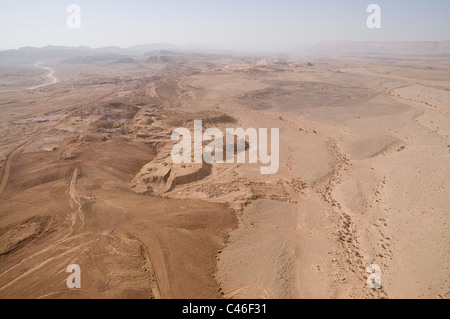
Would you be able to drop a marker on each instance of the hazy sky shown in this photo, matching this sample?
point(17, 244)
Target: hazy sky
point(239, 24)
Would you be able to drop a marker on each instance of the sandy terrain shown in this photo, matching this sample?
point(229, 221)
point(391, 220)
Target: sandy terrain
point(87, 178)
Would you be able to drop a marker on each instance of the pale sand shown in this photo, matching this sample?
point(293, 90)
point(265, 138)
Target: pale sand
point(379, 177)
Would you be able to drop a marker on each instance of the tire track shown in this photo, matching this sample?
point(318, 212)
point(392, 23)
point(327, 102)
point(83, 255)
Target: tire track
point(75, 201)
point(19, 149)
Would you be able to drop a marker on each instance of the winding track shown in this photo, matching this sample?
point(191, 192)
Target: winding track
point(50, 76)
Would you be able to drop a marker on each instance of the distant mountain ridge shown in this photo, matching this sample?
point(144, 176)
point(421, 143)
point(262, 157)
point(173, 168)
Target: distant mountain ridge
point(84, 54)
point(166, 51)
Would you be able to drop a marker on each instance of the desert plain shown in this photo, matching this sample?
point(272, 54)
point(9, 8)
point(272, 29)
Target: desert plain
point(87, 177)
